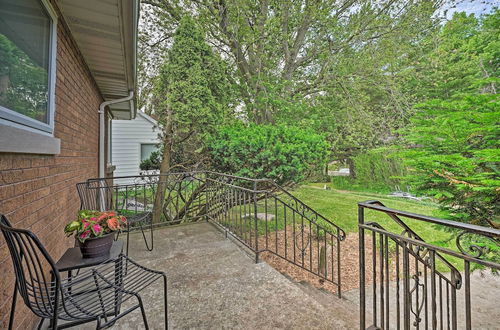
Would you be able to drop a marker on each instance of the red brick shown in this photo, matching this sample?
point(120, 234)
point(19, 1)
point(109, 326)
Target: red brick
point(5, 162)
point(37, 191)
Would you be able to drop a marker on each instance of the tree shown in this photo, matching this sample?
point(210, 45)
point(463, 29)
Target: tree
point(151, 163)
point(338, 66)
point(285, 52)
point(192, 96)
point(454, 154)
point(463, 53)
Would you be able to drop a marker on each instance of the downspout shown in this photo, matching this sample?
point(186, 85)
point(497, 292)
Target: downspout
point(102, 127)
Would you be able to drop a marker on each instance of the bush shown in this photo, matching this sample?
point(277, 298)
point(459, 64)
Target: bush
point(376, 170)
point(282, 153)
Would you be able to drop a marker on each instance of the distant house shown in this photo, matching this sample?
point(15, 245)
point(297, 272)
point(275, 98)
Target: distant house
point(132, 141)
point(337, 168)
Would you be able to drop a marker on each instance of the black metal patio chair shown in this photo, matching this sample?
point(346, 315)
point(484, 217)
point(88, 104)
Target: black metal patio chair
point(98, 195)
point(95, 294)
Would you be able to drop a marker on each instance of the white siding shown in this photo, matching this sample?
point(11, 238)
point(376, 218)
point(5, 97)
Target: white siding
point(126, 139)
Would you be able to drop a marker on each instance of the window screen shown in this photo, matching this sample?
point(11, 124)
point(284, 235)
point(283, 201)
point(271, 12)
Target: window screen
point(147, 149)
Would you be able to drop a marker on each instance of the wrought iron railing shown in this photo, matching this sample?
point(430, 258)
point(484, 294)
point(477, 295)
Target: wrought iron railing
point(258, 213)
point(135, 195)
point(415, 284)
point(267, 219)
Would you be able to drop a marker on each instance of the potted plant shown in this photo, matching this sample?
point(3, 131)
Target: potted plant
point(94, 230)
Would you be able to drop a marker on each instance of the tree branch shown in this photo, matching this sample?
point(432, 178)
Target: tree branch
point(300, 36)
point(174, 12)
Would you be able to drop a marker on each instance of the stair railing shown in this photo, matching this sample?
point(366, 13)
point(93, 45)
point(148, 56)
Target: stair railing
point(415, 284)
point(267, 219)
point(258, 213)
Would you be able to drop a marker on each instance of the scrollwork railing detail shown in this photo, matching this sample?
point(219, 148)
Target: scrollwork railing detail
point(419, 305)
point(304, 243)
point(473, 249)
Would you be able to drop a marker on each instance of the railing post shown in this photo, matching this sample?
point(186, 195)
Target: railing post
point(207, 189)
point(468, 321)
point(432, 260)
point(339, 293)
point(406, 286)
point(361, 221)
point(256, 222)
point(454, 321)
point(209, 197)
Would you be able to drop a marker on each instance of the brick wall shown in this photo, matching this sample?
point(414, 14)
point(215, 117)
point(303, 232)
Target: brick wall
point(38, 191)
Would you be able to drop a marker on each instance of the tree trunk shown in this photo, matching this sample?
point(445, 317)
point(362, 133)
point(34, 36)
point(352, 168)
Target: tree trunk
point(352, 170)
point(164, 169)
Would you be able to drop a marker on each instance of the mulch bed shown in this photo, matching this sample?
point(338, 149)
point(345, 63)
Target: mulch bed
point(349, 262)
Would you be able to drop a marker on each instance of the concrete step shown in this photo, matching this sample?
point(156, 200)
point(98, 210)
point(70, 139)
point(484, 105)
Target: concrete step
point(345, 312)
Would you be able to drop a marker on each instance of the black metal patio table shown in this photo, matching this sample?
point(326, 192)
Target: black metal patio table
point(73, 260)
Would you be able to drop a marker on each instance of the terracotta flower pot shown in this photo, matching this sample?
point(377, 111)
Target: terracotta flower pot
point(96, 246)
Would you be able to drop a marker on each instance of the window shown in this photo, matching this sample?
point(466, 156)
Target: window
point(147, 149)
point(27, 63)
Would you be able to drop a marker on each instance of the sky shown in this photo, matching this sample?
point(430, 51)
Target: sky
point(476, 7)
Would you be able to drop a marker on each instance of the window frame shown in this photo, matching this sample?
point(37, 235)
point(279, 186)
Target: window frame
point(23, 121)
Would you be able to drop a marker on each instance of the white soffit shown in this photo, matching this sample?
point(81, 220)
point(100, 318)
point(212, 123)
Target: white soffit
point(106, 34)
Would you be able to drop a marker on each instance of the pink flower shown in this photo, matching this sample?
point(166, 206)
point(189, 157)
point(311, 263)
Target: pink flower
point(86, 225)
point(93, 219)
point(96, 229)
point(113, 223)
point(84, 235)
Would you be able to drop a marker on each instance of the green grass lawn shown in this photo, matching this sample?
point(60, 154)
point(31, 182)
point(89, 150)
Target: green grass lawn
point(341, 208)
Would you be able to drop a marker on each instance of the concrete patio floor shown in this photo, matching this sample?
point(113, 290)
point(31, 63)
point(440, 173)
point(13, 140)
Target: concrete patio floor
point(213, 284)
